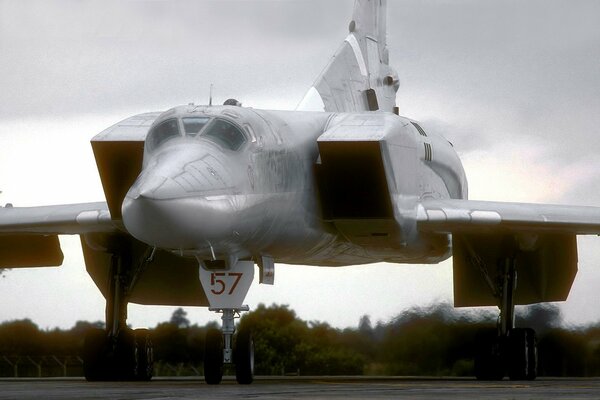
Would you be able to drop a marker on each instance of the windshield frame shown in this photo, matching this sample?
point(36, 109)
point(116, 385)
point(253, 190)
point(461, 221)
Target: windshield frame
point(151, 143)
point(240, 140)
point(199, 132)
point(222, 142)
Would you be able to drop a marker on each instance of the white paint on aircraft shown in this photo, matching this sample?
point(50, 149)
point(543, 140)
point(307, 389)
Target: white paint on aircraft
point(351, 40)
point(312, 101)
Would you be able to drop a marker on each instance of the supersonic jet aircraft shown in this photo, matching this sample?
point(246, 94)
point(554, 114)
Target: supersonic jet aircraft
point(196, 196)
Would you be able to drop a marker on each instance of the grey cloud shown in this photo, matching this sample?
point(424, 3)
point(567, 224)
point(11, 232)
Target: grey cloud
point(520, 67)
point(506, 71)
point(69, 58)
point(527, 61)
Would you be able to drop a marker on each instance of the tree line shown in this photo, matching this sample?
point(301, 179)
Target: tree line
point(433, 341)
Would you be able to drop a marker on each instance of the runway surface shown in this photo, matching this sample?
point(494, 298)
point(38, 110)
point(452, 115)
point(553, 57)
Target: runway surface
point(303, 388)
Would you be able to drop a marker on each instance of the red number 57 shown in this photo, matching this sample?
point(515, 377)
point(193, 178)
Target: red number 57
point(216, 279)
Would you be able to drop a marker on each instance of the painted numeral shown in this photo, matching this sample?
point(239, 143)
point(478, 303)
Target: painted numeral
point(218, 283)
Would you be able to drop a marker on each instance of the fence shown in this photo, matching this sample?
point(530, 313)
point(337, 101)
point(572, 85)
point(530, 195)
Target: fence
point(13, 366)
point(40, 366)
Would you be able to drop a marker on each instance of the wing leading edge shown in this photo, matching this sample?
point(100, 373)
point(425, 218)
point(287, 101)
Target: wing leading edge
point(468, 216)
point(68, 219)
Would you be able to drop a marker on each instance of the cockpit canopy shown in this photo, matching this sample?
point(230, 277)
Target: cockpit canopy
point(218, 130)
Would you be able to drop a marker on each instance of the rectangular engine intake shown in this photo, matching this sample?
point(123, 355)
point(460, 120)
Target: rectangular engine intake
point(352, 182)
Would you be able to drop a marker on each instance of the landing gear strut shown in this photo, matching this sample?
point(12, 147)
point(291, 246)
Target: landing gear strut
point(226, 347)
point(118, 353)
point(507, 351)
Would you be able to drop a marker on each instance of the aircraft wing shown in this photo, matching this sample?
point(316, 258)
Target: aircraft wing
point(29, 235)
point(59, 219)
point(541, 239)
point(468, 216)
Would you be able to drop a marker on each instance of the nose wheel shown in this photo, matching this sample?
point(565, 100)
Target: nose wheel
point(225, 346)
point(213, 356)
point(243, 355)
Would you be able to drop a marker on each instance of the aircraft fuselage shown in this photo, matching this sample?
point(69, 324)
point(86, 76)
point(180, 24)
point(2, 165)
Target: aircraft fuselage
point(233, 183)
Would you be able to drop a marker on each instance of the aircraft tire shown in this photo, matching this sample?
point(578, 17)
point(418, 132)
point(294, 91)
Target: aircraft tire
point(213, 356)
point(125, 357)
point(533, 355)
point(244, 357)
point(94, 355)
point(522, 357)
point(145, 355)
point(489, 360)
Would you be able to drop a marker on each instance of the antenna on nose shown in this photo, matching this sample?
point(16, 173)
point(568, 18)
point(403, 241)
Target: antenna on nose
point(210, 95)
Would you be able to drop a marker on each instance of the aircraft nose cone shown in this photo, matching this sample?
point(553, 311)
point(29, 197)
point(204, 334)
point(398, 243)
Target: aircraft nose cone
point(167, 206)
point(184, 223)
point(156, 187)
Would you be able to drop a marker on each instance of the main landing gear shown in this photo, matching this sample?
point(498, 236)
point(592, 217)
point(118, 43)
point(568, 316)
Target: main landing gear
point(507, 350)
point(118, 353)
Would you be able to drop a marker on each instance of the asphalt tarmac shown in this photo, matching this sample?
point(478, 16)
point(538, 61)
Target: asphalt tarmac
point(303, 388)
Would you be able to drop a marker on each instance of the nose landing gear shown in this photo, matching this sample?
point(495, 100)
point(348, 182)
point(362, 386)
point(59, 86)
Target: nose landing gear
point(225, 290)
point(226, 347)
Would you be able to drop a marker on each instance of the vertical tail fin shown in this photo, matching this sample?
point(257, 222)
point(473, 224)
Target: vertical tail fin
point(358, 77)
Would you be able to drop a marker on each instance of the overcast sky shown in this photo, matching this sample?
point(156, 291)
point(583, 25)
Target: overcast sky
point(515, 85)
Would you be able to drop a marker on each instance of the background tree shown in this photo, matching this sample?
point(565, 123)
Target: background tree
point(436, 340)
point(286, 344)
point(179, 318)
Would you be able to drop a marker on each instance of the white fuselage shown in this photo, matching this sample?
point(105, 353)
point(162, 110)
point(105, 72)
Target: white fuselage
point(237, 197)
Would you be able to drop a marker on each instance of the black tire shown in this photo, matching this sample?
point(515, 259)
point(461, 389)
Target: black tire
point(244, 357)
point(95, 366)
point(533, 354)
point(522, 360)
point(125, 357)
point(145, 355)
point(489, 360)
point(213, 356)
